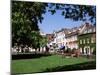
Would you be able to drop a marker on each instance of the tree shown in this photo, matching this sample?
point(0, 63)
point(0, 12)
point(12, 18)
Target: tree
point(25, 18)
point(43, 41)
point(75, 12)
point(27, 15)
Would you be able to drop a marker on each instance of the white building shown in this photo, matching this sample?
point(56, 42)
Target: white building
point(60, 37)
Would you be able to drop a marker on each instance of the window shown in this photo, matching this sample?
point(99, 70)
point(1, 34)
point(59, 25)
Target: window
point(92, 49)
point(84, 41)
point(80, 41)
point(92, 40)
point(89, 30)
point(87, 40)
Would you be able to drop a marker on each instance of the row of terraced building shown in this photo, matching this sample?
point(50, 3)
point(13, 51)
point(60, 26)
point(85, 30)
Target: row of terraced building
point(82, 38)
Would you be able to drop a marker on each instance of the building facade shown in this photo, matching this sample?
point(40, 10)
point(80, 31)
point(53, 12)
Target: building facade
point(71, 40)
point(60, 37)
point(82, 38)
point(87, 40)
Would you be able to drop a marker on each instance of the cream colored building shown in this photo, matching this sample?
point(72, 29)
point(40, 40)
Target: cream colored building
point(71, 40)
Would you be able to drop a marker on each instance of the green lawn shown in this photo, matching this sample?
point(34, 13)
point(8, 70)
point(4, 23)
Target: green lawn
point(47, 64)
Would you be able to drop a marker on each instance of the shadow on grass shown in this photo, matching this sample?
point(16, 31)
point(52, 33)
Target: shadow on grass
point(81, 66)
point(28, 56)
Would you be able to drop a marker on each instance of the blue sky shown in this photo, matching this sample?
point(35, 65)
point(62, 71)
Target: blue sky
point(56, 22)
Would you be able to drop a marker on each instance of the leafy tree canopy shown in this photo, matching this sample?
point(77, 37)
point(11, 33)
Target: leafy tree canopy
point(75, 12)
point(27, 15)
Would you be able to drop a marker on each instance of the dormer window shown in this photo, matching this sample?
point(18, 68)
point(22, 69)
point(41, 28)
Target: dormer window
point(90, 30)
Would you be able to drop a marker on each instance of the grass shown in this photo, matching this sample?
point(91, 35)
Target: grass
point(49, 64)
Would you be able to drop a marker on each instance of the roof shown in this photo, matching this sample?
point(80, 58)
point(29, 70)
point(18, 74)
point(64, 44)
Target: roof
point(63, 30)
point(72, 33)
point(87, 27)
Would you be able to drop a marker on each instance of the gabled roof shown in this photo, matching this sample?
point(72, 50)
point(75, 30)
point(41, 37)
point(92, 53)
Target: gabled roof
point(87, 27)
